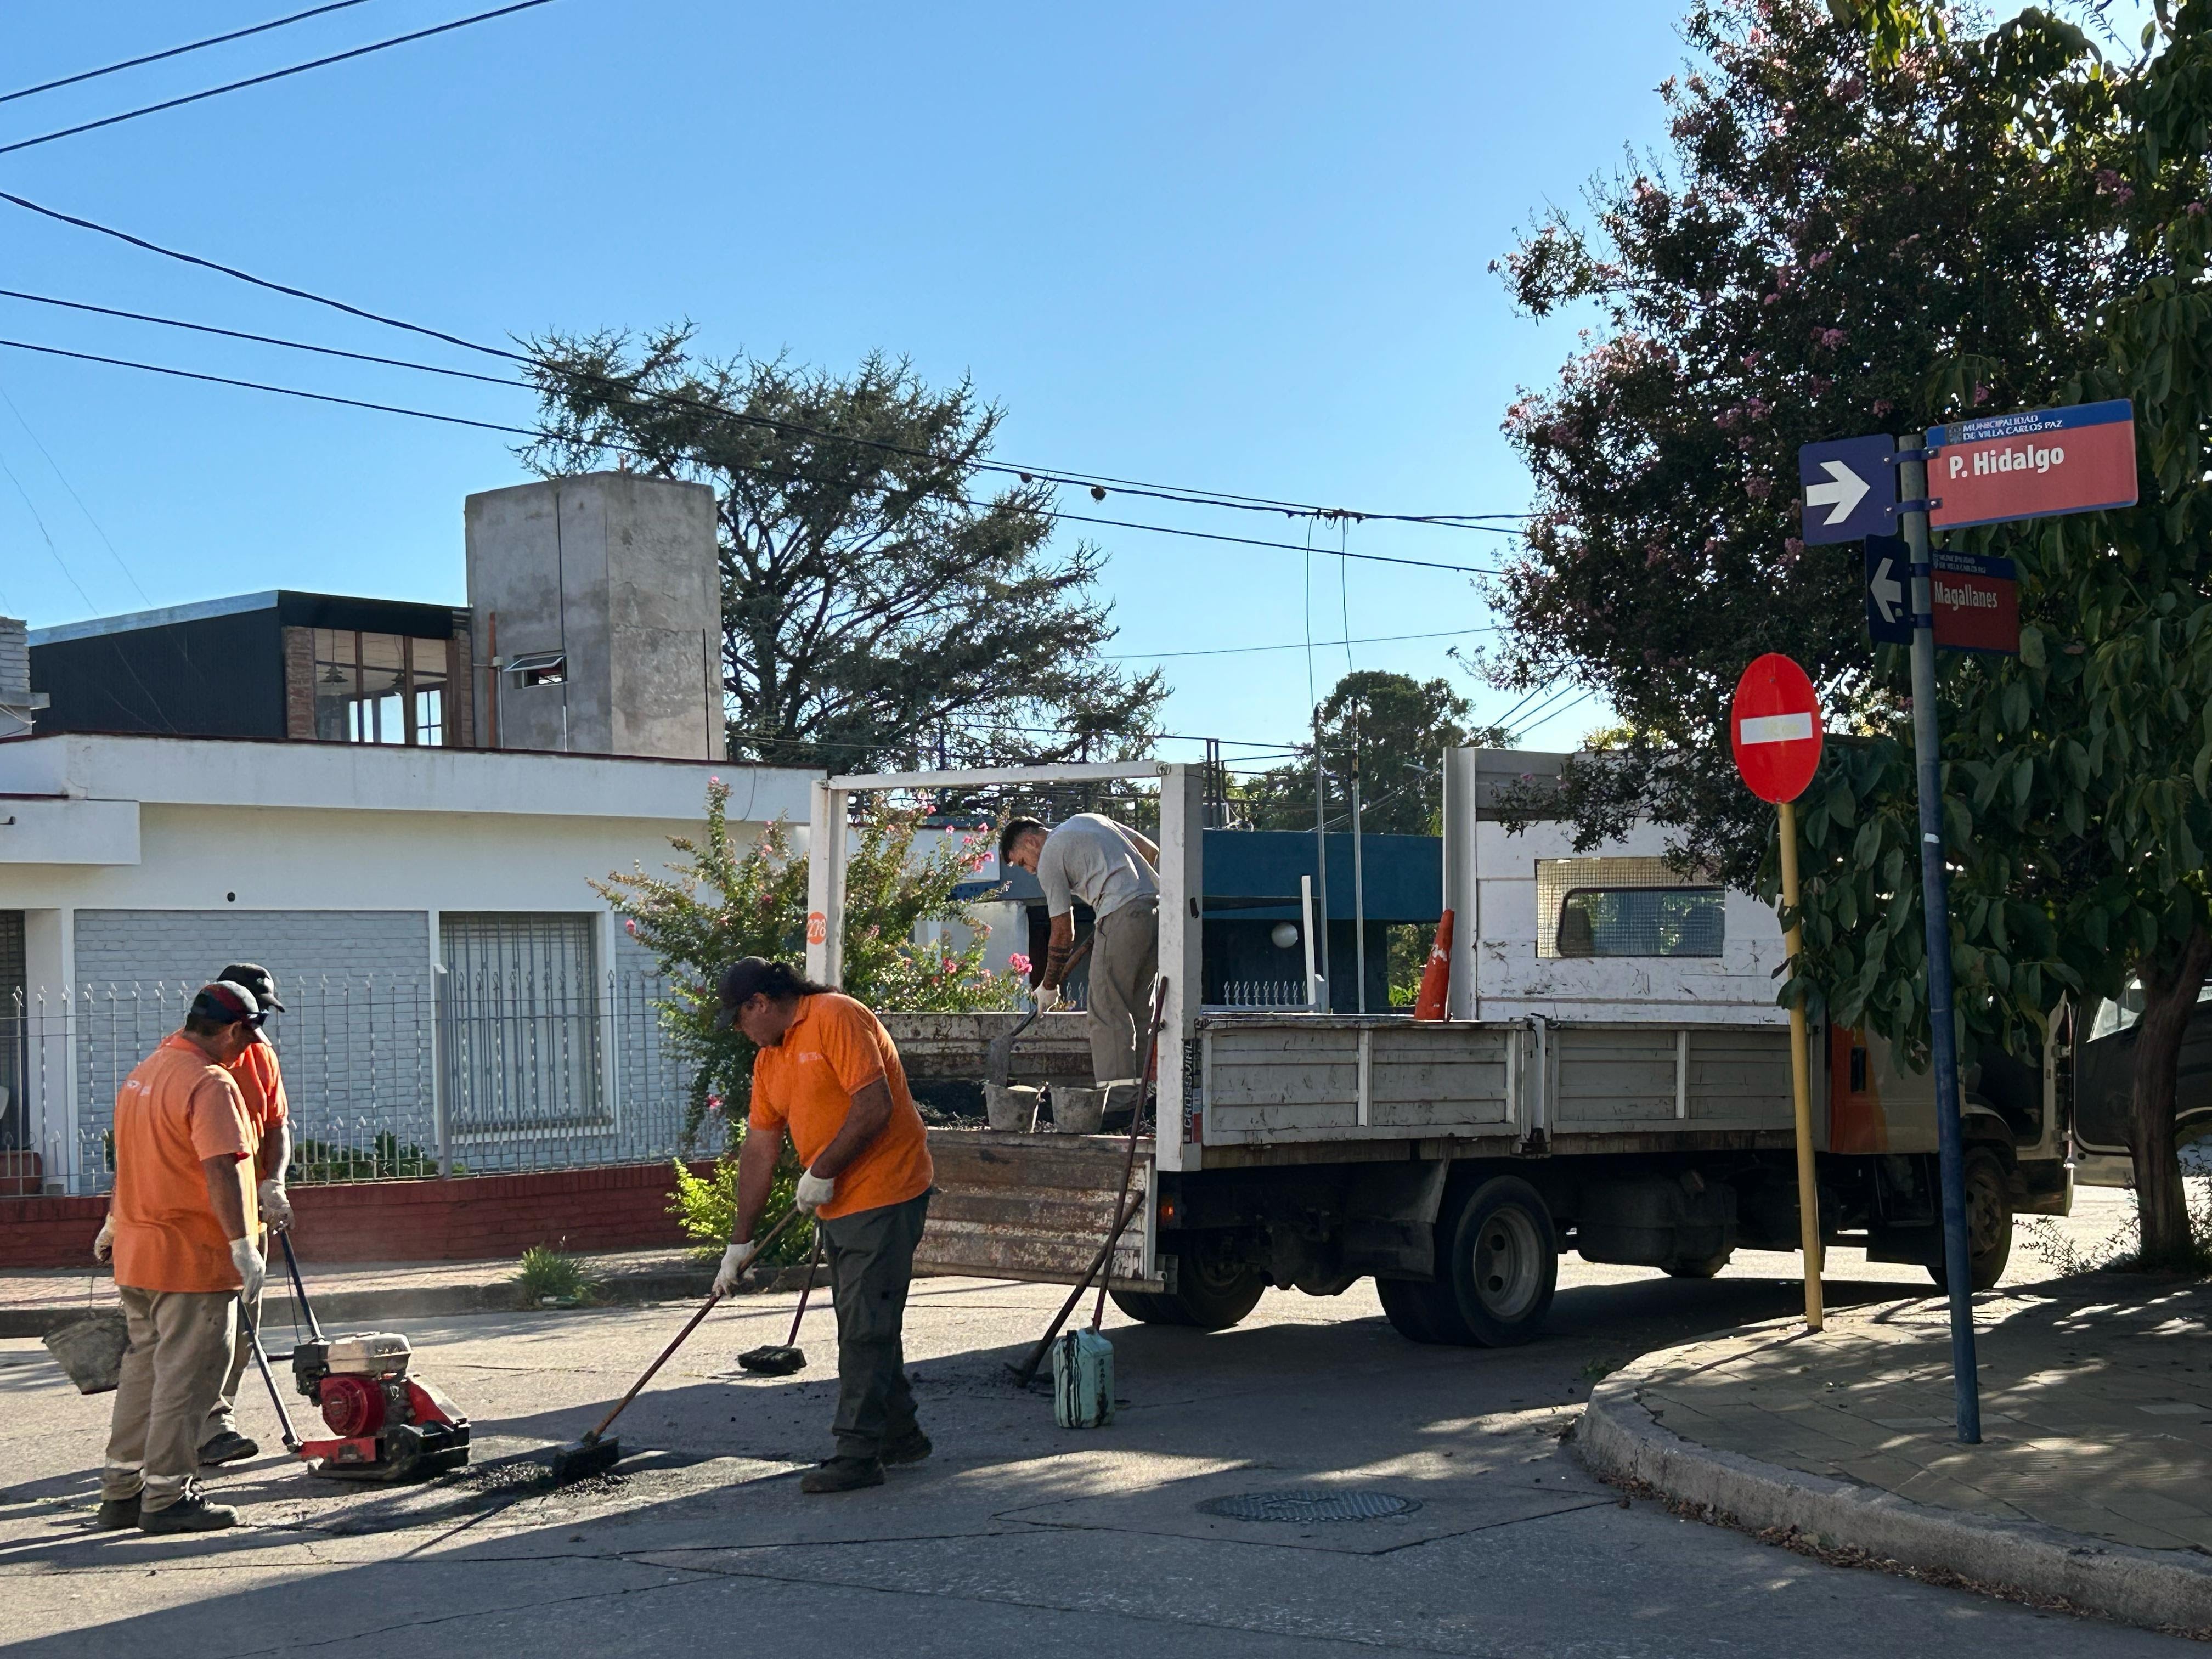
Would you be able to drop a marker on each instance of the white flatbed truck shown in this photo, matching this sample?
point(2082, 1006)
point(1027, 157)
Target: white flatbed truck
point(1614, 1078)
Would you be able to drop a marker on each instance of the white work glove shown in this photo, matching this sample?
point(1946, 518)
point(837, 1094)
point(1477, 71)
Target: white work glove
point(276, 1204)
point(814, 1191)
point(733, 1264)
point(252, 1270)
point(1046, 997)
point(103, 1245)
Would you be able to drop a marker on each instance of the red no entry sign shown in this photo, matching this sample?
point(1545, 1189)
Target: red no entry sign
point(1774, 726)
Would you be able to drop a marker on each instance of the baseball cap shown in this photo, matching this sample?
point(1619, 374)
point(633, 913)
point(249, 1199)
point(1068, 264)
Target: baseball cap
point(257, 979)
point(741, 982)
point(226, 1003)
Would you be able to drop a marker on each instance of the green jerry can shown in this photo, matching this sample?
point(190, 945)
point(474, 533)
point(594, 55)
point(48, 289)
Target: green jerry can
point(1082, 1380)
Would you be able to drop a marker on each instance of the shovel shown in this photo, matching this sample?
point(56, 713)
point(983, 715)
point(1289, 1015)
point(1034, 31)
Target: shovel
point(999, 1057)
point(772, 1361)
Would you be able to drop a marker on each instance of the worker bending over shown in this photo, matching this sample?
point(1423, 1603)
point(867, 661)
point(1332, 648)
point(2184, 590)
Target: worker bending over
point(185, 1224)
point(828, 1073)
point(1111, 868)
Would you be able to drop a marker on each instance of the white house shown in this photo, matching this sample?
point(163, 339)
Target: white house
point(455, 988)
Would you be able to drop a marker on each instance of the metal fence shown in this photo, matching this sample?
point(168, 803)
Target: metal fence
point(459, 1073)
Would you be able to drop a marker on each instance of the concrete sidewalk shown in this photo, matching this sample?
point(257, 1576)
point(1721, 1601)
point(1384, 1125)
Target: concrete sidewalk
point(2093, 1483)
point(33, 1302)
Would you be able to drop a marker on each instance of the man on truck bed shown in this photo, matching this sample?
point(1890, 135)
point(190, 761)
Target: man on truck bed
point(1111, 868)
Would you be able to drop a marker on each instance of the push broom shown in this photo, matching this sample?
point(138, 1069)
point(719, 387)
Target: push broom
point(595, 1453)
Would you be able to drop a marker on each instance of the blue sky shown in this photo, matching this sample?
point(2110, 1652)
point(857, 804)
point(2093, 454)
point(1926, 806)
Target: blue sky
point(1237, 245)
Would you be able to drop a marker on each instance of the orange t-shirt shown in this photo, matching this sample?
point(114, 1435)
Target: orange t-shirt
point(833, 1049)
point(177, 1109)
point(262, 1083)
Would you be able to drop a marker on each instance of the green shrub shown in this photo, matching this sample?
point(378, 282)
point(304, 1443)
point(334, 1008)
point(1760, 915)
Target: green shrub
point(705, 1207)
point(547, 1275)
point(385, 1159)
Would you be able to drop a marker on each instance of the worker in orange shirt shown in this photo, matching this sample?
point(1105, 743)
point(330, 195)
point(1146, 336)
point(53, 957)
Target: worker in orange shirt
point(829, 1075)
point(267, 1114)
point(262, 1083)
point(185, 1223)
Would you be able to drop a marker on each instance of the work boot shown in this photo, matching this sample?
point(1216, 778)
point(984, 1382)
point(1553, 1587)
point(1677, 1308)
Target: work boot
point(117, 1514)
point(190, 1513)
point(842, 1475)
point(912, 1447)
point(228, 1447)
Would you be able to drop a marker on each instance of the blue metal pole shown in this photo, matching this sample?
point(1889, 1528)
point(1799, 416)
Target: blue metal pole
point(1913, 482)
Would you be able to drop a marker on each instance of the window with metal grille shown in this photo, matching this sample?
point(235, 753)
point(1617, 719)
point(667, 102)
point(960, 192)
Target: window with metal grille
point(518, 1007)
point(1625, 907)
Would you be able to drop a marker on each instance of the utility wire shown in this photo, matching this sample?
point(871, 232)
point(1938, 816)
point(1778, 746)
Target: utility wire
point(540, 434)
point(272, 74)
point(1294, 645)
point(177, 52)
point(1225, 500)
point(131, 575)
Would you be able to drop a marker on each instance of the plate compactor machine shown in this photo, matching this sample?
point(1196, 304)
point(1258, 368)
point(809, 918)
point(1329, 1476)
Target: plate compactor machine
point(385, 1422)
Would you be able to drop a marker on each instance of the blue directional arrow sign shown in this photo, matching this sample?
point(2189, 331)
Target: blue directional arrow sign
point(1888, 590)
point(1850, 488)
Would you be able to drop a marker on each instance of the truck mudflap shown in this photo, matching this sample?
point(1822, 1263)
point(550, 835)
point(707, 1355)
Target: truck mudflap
point(1030, 1206)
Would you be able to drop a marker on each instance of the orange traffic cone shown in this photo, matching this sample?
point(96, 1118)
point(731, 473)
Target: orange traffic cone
point(1436, 977)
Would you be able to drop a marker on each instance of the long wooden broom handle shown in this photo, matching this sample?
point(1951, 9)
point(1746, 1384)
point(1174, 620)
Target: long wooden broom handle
point(790, 1216)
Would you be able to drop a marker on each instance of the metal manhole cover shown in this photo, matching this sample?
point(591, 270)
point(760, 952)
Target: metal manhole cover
point(1308, 1505)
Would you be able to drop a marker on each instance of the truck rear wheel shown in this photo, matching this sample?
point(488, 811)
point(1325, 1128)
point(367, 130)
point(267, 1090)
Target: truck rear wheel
point(1989, 1224)
point(1420, 1312)
point(1504, 1265)
point(1213, 1292)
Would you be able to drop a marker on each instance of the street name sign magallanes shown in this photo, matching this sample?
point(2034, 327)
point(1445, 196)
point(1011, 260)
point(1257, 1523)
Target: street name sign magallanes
point(1850, 488)
point(1774, 728)
point(2031, 464)
point(1977, 598)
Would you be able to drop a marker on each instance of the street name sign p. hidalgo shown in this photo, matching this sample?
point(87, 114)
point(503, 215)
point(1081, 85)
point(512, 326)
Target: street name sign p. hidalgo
point(1774, 731)
point(1990, 470)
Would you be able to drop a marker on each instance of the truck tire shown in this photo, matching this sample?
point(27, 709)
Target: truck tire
point(1504, 1267)
point(1420, 1312)
point(1211, 1293)
point(1988, 1223)
point(1708, 1269)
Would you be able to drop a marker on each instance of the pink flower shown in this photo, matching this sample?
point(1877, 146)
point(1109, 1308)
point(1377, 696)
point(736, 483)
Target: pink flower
point(1795, 545)
point(1758, 488)
point(713, 1104)
point(1018, 962)
point(715, 783)
point(2196, 209)
point(1981, 392)
point(1821, 258)
point(1830, 338)
point(1882, 405)
point(631, 927)
point(1751, 360)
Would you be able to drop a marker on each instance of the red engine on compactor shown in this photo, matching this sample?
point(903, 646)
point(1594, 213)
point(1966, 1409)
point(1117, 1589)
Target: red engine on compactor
point(385, 1423)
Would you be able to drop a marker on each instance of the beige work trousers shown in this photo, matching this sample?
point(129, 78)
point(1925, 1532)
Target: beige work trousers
point(180, 1345)
point(1124, 960)
point(222, 1416)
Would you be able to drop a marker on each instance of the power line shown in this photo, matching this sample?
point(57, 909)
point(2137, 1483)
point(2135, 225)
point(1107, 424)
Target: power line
point(113, 552)
point(178, 52)
point(272, 74)
point(1027, 474)
point(1294, 645)
point(540, 434)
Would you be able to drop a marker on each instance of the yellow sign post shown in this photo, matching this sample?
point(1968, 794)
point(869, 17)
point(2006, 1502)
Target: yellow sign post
point(1801, 1082)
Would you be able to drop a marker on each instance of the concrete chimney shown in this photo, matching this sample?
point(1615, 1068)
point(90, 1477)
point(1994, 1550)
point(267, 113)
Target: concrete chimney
point(600, 597)
point(17, 699)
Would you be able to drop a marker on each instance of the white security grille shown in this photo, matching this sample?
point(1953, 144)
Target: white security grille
point(519, 1023)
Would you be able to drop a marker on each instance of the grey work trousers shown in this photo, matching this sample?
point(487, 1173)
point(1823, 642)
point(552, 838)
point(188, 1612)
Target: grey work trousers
point(870, 1255)
point(1124, 958)
point(180, 1343)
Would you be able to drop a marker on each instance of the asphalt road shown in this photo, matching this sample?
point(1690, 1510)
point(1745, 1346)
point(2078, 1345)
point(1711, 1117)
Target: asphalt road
point(1018, 1537)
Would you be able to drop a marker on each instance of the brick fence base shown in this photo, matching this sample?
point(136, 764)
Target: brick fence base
point(469, 1218)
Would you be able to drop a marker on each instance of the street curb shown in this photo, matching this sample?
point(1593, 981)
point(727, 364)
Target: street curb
point(1620, 1437)
point(339, 1310)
